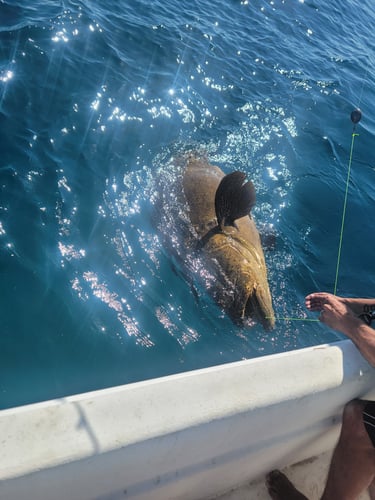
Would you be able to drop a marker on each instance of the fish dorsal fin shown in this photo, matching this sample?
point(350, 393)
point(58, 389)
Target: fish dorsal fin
point(233, 199)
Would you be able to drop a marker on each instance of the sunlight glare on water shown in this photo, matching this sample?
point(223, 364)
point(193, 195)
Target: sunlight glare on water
point(97, 100)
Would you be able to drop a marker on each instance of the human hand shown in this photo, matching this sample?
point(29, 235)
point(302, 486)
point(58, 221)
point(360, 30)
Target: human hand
point(315, 301)
point(334, 312)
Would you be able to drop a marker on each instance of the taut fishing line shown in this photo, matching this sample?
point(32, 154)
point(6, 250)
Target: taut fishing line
point(355, 117)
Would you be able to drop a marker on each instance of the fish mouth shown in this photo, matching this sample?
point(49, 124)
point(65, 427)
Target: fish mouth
point(247, 305)
point(259, 307)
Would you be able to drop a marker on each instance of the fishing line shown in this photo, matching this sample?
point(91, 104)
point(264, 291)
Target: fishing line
point(292, 319)
point(363, 82)
point(355, 117)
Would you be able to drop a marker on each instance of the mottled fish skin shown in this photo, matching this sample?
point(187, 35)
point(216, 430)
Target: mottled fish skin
point(234, 253)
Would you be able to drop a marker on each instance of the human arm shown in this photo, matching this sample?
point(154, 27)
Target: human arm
point(341, 314)
point(363, 336)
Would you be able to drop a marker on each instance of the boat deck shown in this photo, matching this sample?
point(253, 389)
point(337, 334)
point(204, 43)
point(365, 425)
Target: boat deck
point(308, 477)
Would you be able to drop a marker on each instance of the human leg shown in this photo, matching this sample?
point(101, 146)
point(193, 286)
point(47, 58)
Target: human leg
point(352, 468)
point(369, 419)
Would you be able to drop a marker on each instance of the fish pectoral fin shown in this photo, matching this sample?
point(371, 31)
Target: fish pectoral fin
point(233, 199)
point(206, 238)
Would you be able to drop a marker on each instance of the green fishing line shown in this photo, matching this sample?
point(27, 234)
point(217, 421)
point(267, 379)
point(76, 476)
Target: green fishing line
point(355, 116)
point(293, 319)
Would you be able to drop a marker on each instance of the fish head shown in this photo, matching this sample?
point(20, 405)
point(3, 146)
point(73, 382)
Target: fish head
point(258, 305)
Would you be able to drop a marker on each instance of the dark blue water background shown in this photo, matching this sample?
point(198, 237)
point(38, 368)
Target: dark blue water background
point(95, 96)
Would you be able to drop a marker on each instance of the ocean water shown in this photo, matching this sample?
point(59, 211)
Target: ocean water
point(95, 98)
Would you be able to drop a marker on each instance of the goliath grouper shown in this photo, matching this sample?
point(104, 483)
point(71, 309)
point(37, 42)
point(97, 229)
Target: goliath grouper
point(224, 235)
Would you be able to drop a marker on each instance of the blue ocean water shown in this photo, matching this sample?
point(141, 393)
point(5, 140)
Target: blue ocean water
point(94, 99)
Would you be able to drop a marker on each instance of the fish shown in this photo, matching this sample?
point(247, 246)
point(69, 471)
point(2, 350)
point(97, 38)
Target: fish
point(214, 222)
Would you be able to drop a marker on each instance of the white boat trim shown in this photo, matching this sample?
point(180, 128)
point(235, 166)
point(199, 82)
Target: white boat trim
point(188, 436)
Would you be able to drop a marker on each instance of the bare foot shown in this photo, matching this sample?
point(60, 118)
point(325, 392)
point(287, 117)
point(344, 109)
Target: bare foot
point(280, 488)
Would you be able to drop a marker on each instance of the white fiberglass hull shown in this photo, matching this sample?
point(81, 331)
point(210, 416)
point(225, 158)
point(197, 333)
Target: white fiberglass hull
point(189, 436)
